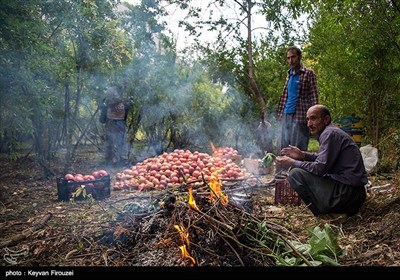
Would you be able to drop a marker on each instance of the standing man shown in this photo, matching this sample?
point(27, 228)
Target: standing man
point(299, 93)
point(118, 105)
point(332, 180)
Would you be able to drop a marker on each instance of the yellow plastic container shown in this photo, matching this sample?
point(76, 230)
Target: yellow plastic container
point(356, 135)
point(358, 124)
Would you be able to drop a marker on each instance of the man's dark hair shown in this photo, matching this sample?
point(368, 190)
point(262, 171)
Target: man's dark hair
point(324, 111)
point(294, 48)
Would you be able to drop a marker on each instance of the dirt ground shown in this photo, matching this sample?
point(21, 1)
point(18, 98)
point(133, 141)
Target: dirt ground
point(37, 230)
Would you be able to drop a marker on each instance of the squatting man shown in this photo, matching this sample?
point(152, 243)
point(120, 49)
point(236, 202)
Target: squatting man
point(332, 180)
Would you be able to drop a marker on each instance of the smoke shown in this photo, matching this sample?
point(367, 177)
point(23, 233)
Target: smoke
point(192, 111)
point(197, 111)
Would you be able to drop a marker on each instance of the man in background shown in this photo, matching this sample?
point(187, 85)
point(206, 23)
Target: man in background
point(118, 105)
point(300, 92)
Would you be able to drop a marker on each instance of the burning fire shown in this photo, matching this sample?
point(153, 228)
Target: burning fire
point(185, 240)
point(216, 192)
point(183, 234)
point(185, 254)
point(213, 148)
point(192, 202)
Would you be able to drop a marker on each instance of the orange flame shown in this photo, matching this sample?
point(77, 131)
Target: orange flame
point(185, 254)
point(185, 240)
point(192, 202)
point(212, 146)
point(216, 191)
point(183, 234)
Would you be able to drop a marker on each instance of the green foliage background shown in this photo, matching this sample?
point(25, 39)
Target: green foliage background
point(58, 57)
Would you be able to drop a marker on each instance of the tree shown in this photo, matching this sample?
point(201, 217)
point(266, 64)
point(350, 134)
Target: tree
point(356, 50)
point(231, 58)
point(26, 60)
point(48, 46)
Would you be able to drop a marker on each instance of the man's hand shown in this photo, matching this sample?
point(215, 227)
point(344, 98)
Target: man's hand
point(284, 161)
point(293, 152)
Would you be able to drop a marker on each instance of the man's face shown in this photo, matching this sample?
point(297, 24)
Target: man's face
point(315, 122)
point(293, 59)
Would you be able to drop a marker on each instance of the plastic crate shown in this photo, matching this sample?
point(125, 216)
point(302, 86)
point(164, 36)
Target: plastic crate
point(98, 189)
point(284, 194)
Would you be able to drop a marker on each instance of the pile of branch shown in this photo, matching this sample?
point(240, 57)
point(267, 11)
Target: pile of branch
point(211, 234)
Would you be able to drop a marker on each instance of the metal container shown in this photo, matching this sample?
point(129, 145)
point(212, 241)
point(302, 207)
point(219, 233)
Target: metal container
point(242, 198)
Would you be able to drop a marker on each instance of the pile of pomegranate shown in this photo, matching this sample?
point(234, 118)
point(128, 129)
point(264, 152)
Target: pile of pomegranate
point(172, 169)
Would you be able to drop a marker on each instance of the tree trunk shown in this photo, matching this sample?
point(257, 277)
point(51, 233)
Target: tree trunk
point(67, 129)
point(263, 136)
point(252, 82)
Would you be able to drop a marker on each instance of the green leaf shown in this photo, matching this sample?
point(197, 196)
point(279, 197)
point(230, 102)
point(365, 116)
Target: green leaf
point(267, 160)
point(324, 244)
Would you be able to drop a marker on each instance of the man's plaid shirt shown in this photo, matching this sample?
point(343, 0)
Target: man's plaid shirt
point(308, 94)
